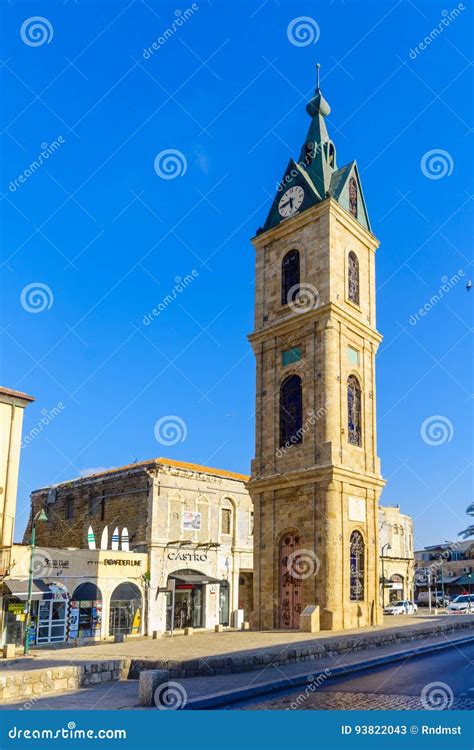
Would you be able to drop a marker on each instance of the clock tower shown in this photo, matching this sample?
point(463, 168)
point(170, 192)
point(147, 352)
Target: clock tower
point(316, 478)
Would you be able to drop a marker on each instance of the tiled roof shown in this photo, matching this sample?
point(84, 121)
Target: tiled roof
point(16, 394)
point(159, 462)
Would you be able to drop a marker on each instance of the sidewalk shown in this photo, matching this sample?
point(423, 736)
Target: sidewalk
point(198, 690)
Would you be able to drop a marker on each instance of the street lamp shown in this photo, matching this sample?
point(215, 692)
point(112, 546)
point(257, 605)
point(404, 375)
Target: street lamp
point(385, 546)
point(40, 516)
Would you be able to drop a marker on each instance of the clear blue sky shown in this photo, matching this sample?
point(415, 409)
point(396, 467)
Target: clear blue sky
point(108, 236)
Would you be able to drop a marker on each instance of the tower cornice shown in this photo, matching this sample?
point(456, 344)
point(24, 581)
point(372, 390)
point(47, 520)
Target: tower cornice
point(325, 473)
point(324, 314)
point(300, 220)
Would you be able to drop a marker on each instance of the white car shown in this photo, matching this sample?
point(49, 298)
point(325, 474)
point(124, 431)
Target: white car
point(401, 608)
point(462, 605)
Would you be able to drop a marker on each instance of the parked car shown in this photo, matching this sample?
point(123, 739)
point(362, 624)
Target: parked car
point(401, 607)
point(437, 599)
point(463, 604)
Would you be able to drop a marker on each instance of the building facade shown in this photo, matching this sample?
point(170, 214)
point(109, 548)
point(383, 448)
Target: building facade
point(79, 593)
point(447, 567)
point(397, 558)
point(316, 478)
point(193, 524)
point(12, 407)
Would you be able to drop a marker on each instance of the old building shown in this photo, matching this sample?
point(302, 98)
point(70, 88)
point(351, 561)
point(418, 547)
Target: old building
point(448, 567)
point(192, 523)
point(76, 593)
point(397, 560)
point(316, 476)
point(12, 407)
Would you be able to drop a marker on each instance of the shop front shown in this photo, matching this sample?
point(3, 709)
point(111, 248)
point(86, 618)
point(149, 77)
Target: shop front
point(187, 597)
point(89, 594)
point(49, 611)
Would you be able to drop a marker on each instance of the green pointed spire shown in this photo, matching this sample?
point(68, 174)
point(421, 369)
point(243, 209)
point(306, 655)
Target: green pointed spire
point(318, 154)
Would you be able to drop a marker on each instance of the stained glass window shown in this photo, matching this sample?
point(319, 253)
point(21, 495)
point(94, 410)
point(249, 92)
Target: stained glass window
point(354, 425)
point(357, 567)
point(290, 276)
point(353, 278)
point(291, 412)
point(353, 196)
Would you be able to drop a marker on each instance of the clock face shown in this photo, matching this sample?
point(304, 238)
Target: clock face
point(291, 201)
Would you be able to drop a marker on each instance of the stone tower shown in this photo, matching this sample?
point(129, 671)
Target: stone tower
point(316, 478)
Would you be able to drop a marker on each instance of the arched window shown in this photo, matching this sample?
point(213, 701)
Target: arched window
point(331, 155)
point(290, 276)
point(227, 517)
point(353, 196)
point(353, 278)
point(85, 611)
point(354, 411)
point(125, 610)
point(291, 411)
point(357, 567)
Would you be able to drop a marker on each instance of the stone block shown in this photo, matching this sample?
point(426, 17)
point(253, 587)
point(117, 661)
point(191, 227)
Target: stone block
point(120, 638)
point(11, 692)
point(188, 631)
point(245, 626)
point(218, 628)
point(309, 619)
point(149, 681)
point(9, 651)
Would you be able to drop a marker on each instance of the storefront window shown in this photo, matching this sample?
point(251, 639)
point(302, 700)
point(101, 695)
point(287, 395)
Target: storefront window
point(85, 618)
point(125, 610)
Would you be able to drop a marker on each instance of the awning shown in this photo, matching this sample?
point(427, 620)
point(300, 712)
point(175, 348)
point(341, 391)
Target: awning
point(466, 580)
point(19, 588)
point(198, 579)
point(447, 581)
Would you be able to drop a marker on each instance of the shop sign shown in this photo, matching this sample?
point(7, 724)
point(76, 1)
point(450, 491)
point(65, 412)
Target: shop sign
point(191, 521)
point(187, 556)
point(116, 561)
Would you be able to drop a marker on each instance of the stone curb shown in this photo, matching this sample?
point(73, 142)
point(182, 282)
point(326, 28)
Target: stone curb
point(289, 654)
point(226, 698)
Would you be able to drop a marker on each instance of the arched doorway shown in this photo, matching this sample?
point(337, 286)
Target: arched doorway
point(290, 583)
point(125, 610)
point(85, 613)
point(52, 615)
point(396, 587)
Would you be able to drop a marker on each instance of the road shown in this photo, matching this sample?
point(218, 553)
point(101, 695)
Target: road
point(443, 679)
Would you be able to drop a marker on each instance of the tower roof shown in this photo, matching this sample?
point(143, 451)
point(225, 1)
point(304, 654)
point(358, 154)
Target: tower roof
point(316, 174)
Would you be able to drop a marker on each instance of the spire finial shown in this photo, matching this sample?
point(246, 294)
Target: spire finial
point(317, 75)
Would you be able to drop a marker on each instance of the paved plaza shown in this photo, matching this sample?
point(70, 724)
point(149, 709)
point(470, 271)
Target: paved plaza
point(121, 694)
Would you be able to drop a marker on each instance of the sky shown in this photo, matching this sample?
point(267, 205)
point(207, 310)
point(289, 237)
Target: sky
point(127, 268)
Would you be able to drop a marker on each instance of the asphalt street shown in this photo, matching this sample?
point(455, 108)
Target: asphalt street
point(440, 680)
